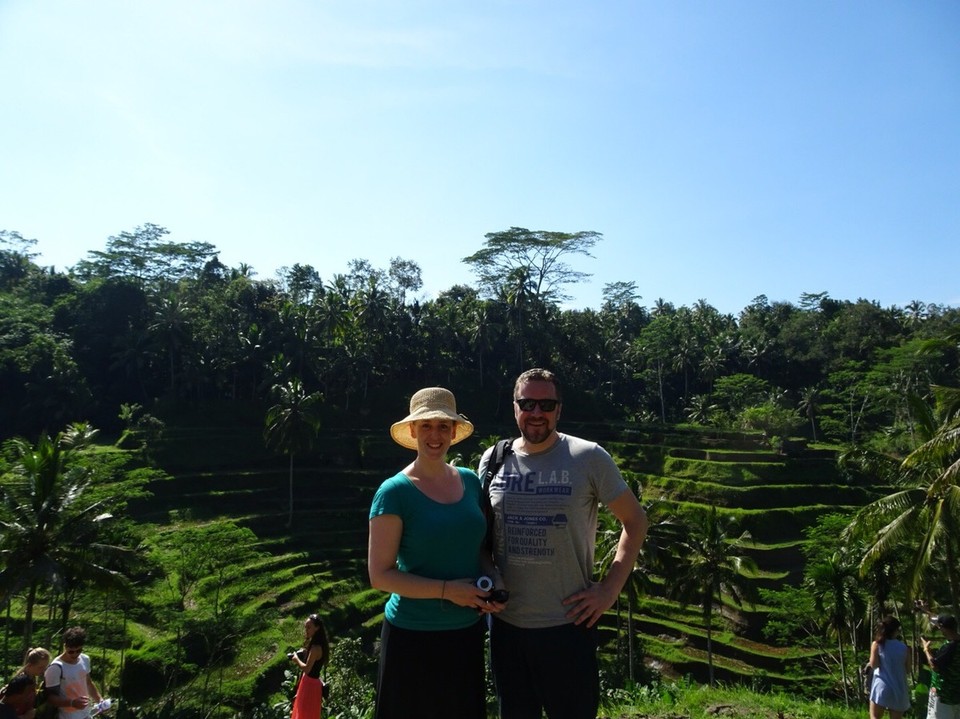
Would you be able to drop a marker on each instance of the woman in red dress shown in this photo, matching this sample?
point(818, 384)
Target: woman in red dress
point(311, 660)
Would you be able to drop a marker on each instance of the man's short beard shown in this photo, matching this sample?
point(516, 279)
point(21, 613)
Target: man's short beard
point(537, 434)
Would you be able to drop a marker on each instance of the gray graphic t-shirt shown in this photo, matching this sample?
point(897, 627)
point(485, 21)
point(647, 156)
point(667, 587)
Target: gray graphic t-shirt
point(545, 525)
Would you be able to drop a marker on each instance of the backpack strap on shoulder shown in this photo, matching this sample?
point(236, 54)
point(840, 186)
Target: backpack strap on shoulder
point(501, 449)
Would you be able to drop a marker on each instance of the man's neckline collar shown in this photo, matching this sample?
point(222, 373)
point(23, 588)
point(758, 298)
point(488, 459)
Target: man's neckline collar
point(557, 436)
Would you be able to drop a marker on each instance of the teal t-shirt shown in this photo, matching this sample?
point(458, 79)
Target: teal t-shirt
point(440, 541)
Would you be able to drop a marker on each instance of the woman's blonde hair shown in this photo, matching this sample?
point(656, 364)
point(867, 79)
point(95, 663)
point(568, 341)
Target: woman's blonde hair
point(35, 655)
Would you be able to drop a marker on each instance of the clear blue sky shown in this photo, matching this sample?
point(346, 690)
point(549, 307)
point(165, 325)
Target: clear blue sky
point(723, 149)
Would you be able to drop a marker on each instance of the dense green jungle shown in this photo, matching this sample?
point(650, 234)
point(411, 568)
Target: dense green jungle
point(189, 452)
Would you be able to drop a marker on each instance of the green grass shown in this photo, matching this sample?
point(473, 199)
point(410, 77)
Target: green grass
point(687, 701)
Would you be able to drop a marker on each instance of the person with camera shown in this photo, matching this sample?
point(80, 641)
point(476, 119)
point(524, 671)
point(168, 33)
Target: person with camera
point(545, 499)
point(311, 658)
point(944, 699)
point(426, 533)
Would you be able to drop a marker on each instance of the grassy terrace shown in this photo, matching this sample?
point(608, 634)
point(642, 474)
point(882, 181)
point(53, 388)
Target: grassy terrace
point(681, 699)
point(774, 497)
point(756, 496)
point(319, 563)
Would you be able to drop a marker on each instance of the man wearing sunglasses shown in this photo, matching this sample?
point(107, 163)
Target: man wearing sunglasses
point(545, 499)
point(67, 679)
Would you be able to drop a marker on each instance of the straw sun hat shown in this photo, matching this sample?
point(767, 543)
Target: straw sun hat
point(430, 403)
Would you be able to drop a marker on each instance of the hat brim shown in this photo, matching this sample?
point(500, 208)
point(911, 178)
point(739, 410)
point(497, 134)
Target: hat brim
point(400, 431)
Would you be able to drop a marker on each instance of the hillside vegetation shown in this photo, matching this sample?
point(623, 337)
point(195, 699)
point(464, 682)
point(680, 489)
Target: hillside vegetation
point(155, 404)
point(318, 564)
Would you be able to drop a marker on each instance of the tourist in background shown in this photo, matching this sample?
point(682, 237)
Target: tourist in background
point(35, 663)
point(67, 679)
point(944, 699)
point(311, 658)
point(890, 660)
point(19, 692)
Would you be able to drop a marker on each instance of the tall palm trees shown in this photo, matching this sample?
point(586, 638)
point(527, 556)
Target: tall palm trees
point(657, 557)
point(809, 398)
point(291, 425)
point(923, 514)
point(700, 561)
point(711, 567)
point(835, 588)
point(50, 533)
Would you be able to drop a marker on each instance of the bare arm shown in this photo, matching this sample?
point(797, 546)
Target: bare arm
point(875, 655)
point(314, 656)
point(590, 603)
point(59, 699)
point(92, 690)
point(56, 697)
point(295, 658)
point(382, 550)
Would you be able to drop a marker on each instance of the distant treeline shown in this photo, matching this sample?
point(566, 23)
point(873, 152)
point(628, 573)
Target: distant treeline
point(147, 320)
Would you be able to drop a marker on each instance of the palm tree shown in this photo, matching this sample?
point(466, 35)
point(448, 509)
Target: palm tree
point(291, 425)
point(482, 329)
point(711, 568)
point(172, 323)
point(712, 364)
point(517, 295)
point(656, 344)
point(924, 512)
point(700, 409)
point(50, 535)
point(837, 597)
point(655, 559)
point(916, 312)
point(809, 397)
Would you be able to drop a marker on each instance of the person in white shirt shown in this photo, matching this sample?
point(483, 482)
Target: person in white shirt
point(68, 681)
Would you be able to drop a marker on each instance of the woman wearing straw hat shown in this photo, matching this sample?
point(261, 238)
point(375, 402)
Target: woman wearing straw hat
point(426, 533)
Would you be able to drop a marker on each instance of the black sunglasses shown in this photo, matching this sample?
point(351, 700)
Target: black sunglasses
point(526, 404)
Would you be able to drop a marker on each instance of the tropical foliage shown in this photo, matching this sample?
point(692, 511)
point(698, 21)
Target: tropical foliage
point(144, 337)
point(52, 535)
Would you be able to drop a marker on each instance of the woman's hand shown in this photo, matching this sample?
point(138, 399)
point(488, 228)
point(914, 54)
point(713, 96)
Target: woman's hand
point(492, 607)
point(464, 593)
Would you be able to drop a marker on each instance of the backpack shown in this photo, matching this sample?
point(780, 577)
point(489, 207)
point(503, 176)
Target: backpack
point(45, 709)
point(501, 449)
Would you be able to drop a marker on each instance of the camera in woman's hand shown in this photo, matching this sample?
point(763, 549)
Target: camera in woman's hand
point(493, 595)
point(499, 595)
